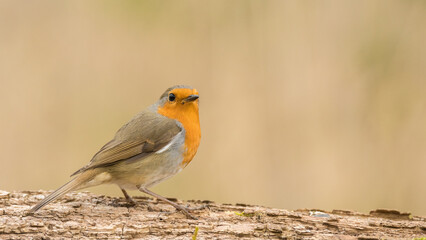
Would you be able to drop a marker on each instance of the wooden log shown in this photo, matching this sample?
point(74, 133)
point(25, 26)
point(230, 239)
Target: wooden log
point(84, 215)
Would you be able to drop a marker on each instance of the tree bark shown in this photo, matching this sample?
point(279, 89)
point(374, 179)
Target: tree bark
point(84, 215)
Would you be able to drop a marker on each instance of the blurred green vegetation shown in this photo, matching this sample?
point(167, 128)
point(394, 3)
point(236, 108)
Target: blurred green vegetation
point(304, 104)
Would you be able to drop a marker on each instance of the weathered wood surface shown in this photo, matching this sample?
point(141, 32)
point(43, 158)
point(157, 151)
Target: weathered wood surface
point(84, 215)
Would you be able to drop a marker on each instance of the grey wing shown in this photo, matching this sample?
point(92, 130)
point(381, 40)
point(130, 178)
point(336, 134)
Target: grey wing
point(145, 134)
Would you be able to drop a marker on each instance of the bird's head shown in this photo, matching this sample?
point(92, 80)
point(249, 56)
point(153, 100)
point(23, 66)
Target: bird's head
point(179, 101)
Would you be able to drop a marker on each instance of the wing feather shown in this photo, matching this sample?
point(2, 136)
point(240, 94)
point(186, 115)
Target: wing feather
point(145, 134)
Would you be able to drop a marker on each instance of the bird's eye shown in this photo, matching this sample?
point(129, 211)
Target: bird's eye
point(172, 97)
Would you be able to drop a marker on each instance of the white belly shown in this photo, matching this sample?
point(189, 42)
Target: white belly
point(148, 171)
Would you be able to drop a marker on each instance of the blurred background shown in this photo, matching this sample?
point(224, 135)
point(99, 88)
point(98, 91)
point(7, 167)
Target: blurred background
point(304, 104)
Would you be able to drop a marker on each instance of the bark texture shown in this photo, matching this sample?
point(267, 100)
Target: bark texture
point(84, 215)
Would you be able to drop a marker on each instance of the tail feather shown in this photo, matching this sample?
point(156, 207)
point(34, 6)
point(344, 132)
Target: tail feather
point(74, 184)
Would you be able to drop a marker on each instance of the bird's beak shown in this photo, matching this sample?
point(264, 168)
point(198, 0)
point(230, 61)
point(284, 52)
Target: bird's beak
point(191, 98)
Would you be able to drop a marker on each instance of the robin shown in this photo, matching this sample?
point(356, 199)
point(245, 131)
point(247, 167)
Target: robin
point(154, 145)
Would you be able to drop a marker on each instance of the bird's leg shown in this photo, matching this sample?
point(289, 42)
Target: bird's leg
point(177, 206)
point(128, 198)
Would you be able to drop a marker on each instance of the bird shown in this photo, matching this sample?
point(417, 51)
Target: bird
point(154, 145)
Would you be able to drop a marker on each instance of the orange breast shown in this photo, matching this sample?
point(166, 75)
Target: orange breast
point(186, 114)
point(192, 141)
